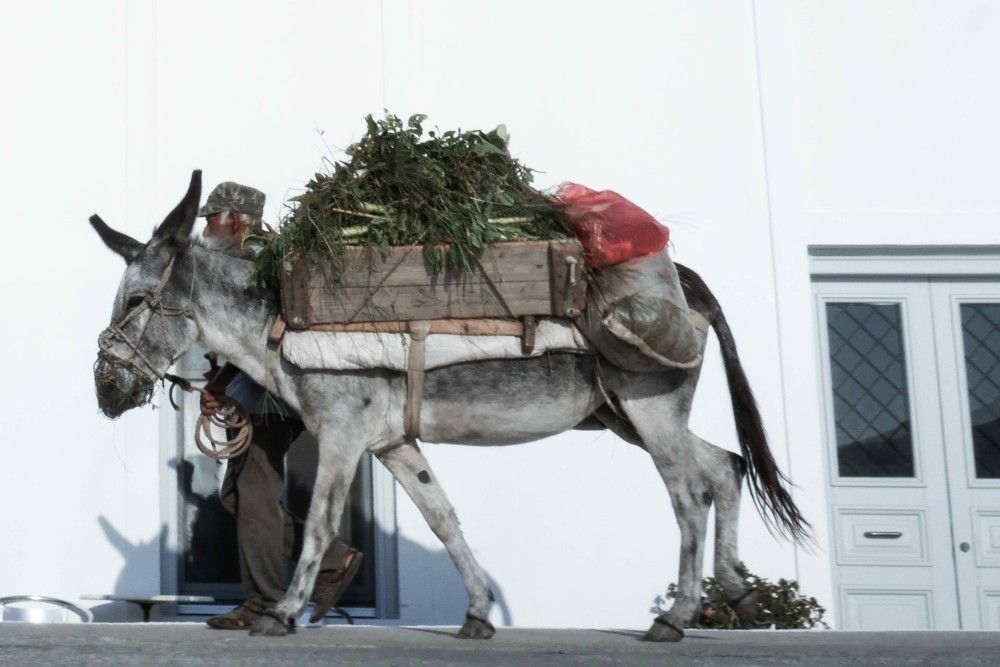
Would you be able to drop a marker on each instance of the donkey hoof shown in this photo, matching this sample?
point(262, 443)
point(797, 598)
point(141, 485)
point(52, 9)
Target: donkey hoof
point(269, 624)
point(663, 631)
point(746, 607)
point(476, 628)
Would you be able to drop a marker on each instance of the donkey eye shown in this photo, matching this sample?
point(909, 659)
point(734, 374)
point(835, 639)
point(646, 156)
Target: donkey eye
point(133, 302)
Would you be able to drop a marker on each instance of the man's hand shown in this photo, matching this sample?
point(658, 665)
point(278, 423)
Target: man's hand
point(210, 403)
point(218, 380)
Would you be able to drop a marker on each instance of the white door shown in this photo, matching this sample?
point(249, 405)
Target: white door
point(967, 328)
point(888, 487)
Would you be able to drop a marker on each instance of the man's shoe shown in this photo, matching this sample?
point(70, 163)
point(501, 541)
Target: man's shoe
point(331, 584)
point(241, 618)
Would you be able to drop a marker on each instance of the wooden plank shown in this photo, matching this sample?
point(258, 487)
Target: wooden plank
point(477, 327)
point(294, 292)
point(514, 279)
point(463, 327)
point(277, 330)
point(366, 267)
point(569, 284)
point(358, 304)
point(289, 303)
point(528, 325)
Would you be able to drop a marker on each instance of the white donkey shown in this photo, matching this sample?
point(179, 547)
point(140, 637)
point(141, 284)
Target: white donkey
point(175, 292)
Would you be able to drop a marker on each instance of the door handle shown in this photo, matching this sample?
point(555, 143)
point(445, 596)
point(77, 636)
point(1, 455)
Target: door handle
point(883, 534)
point(964, 546)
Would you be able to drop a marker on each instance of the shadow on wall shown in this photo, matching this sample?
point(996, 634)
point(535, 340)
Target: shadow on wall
point(134, 577)
point(431, 590)
point(210, 553)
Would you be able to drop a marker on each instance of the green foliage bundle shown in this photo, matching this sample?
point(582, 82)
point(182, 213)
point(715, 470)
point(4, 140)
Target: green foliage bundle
point(782, 606)
point(454, 193)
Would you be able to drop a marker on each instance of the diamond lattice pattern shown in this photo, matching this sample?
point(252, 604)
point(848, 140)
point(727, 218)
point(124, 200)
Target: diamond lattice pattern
point(870, 404)
point(981, 335)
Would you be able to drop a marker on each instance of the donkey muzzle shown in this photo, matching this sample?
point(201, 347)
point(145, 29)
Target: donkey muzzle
point(118, 388)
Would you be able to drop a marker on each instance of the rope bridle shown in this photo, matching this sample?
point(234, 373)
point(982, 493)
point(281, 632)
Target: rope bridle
point(230, 417)
point(151, 302)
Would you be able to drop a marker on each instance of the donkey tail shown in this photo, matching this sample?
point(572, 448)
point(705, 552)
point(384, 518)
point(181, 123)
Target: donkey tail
point(767, 482)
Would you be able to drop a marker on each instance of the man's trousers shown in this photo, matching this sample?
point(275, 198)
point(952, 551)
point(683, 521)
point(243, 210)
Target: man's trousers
point(265, 530)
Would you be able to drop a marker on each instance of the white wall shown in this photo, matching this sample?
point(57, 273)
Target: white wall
point(64, 157)
point(864, 123)
point(880, 126)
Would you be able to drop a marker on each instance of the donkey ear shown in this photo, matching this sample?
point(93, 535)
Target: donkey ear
point(123, 244)
point(176, 227)
point(118, 541)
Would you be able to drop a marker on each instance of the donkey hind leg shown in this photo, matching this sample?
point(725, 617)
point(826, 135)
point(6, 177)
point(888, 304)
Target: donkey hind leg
point(714, 478)
point(333, 482)
point(725, 471)
point(657, 406)
point(691, 499)
point(411, 470)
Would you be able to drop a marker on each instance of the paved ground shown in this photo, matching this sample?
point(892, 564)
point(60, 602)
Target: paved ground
point(190, 644)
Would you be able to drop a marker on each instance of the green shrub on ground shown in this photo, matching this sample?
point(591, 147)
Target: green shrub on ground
point(782, 605)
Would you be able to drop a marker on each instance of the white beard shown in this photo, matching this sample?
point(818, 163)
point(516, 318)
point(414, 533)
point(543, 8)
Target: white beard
point(218, 243)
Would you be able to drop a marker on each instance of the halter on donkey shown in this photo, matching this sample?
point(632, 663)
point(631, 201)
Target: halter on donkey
point(354, 412)
point(142, 309)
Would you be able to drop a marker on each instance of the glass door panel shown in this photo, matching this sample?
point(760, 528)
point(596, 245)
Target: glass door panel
point(981, 339)
point(870, 394)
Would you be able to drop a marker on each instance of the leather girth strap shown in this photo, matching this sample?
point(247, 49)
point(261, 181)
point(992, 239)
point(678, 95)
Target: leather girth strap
point(415, 377)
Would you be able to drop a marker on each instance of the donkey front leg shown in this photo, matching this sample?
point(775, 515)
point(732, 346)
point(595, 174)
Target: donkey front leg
point(337, 465)
point(412, 471)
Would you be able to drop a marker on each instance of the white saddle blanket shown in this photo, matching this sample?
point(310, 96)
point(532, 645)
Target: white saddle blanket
point(344, 351)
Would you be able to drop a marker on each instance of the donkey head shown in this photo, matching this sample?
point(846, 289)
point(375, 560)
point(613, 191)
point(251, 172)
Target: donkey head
point(151, 321)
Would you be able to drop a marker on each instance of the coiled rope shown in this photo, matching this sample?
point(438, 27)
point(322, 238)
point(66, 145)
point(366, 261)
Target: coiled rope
point(230, 417)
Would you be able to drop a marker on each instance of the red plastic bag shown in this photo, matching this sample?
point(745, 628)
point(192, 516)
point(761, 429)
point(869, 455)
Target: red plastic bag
point(611, 228)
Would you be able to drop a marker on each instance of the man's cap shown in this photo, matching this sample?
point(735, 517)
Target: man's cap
point(234, 197)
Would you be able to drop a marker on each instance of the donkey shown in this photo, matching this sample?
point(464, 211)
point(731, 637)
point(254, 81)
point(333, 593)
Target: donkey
point(175, 292)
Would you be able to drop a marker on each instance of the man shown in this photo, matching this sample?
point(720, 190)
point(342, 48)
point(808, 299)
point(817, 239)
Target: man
point(255, 480)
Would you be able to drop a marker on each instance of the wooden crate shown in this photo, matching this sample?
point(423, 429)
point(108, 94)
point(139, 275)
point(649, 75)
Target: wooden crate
point(542, 278)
